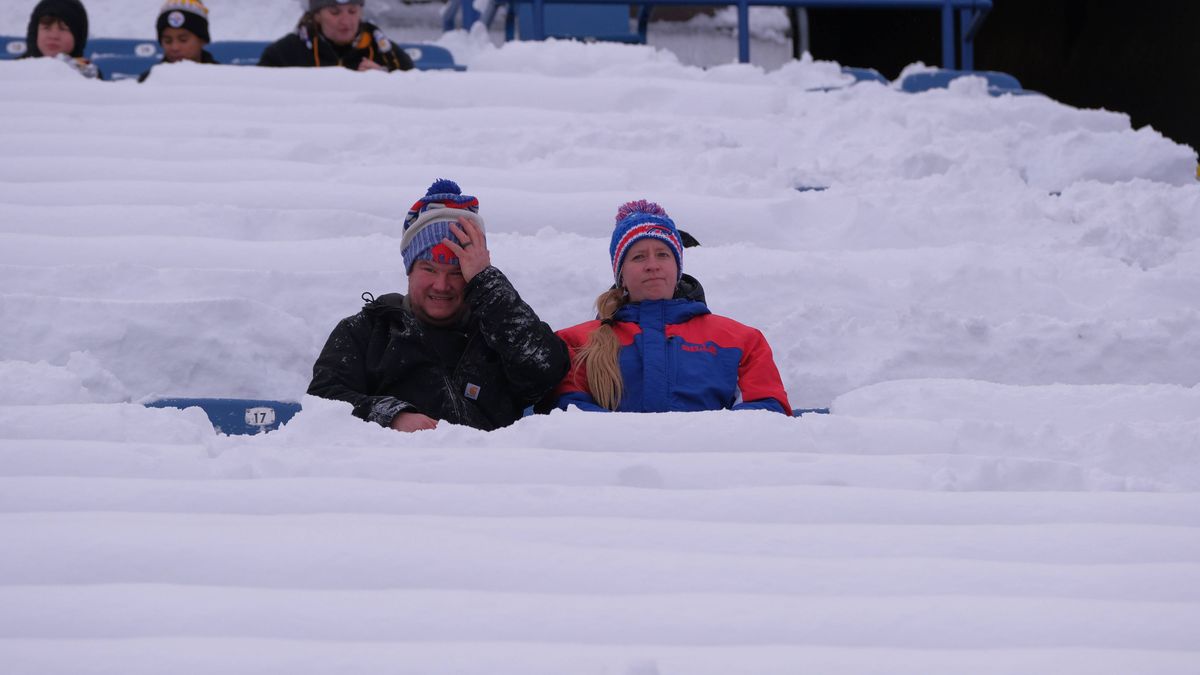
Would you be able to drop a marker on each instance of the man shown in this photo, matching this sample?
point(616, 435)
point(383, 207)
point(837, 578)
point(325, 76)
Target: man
point(461, 346)
point(332, 33)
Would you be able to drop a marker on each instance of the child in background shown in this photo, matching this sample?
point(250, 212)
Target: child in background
point(59, 29)
point(183, 33)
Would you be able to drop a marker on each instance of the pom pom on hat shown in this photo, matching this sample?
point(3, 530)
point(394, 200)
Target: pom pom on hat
point(428, 223)
point(642, 219)
point(190, 15)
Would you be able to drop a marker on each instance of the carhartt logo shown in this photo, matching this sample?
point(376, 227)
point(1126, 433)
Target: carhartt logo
point(472, 391)
point(710, 348)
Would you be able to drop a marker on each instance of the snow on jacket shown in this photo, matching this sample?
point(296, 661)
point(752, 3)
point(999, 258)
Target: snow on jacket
point(678, 356)
point(483, 373)
point(307, 47)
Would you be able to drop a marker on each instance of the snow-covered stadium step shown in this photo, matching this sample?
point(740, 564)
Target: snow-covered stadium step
point(154, 656)
point(710, 619)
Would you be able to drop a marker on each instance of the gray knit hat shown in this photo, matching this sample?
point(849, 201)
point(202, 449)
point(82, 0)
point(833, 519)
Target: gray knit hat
point(314, 5)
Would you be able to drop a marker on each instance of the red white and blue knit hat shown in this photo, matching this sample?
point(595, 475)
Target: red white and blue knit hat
point(428, 223)
point(643, 220)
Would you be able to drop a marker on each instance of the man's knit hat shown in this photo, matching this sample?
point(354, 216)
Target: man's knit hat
point(428, 223)
point(643, 220)
point(70, 12)
point(314, 5)
point(190, 15)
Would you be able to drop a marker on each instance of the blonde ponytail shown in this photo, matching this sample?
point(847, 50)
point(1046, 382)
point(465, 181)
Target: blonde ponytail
point(599, 354)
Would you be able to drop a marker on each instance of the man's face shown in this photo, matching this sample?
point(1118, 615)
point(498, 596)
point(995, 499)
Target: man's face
point(436, 292)
point(339, 23)
point(180, 44)
point(54, 37)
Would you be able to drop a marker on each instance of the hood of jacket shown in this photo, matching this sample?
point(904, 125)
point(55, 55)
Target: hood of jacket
point(71, 12)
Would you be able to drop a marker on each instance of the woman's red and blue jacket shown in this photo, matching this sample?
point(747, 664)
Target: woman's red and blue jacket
point(677, 356)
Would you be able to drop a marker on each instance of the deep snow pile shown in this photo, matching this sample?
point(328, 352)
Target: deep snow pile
point(996, 295)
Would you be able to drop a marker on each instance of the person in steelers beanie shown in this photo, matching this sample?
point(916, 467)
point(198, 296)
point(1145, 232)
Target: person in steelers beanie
point(183, 33)
point(460, 347)
point(333, 33)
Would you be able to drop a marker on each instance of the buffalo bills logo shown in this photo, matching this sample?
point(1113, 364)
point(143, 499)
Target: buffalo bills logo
point(707, 347)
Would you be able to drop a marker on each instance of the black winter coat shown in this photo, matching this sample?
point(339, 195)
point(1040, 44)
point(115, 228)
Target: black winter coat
point(307, 47)
point(483, 373)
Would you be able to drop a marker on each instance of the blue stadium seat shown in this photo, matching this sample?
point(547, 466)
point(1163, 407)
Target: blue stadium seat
point(609, 23)
point(236, 416)
point(237, 52)
point(98, 48)
point(998, 83)
point(430, 57)
point(865, 74)
point(11, 47)
point(124, 67)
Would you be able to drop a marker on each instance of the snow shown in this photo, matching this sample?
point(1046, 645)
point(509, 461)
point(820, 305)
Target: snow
point(995, 296)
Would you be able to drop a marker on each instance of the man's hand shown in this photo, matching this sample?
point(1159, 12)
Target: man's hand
point(411, 421)
point(368, 64)
point(473, 254)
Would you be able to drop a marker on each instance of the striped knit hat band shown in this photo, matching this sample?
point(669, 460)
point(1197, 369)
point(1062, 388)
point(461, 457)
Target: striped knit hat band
point(428, 223)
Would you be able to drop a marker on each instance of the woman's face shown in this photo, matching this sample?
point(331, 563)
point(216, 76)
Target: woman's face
point(180, 44)
point(339, 23)
point(54, 37)
point(650, 271)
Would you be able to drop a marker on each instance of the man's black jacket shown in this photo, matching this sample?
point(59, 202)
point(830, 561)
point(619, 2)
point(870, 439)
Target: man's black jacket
point(482, 373)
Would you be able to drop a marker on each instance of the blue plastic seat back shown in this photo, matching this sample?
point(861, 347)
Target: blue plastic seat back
point(123, 67)
point(429, 57)
point(237, 52)
point(998, 83)
point(236, 416)
point(11, 47)
point(98, 48)
point(581, 22)
point(865, 74)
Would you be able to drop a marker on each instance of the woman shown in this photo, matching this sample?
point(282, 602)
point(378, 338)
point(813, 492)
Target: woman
point(655, 346)
point(59, 29)
point(332, 33)
point(183, 33)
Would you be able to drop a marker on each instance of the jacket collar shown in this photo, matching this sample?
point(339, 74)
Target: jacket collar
point(675, 310)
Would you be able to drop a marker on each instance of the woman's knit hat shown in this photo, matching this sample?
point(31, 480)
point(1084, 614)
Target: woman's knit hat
point(428, 223)
point(643, 220)
point(314, 5)
point(70, 12)
point(191, 15)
